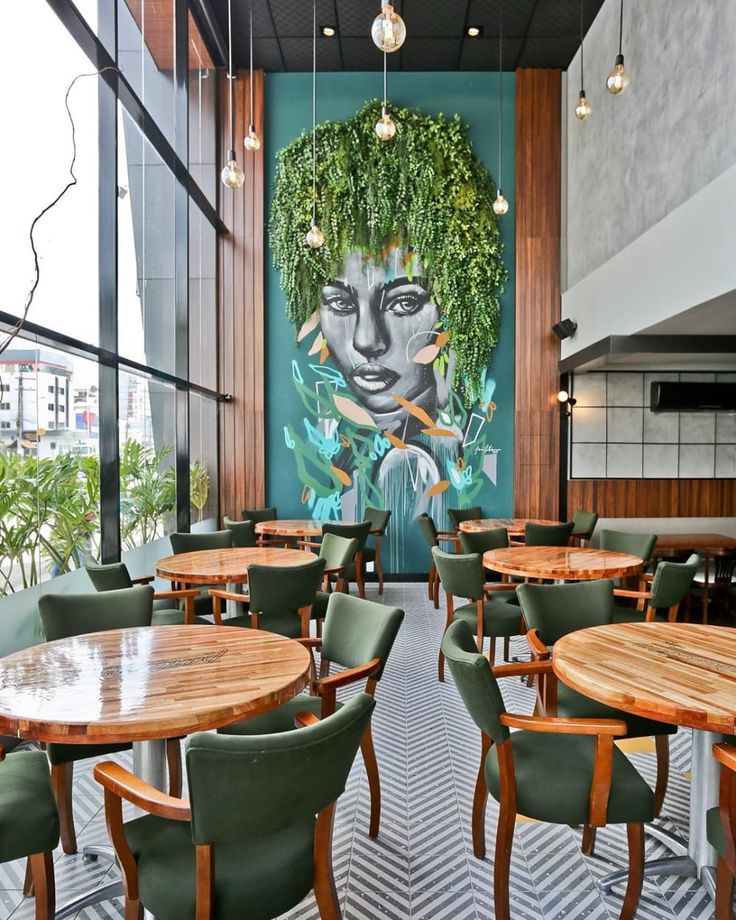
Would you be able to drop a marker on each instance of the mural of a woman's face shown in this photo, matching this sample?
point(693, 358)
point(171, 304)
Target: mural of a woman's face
point(375, 318)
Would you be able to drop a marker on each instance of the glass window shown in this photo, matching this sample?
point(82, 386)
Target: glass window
point(202, 299)
point(203, 470)
point(146, 56)
point(146, 291)
point(147, 460)
point(202, 106)
point(35, 156)
point(49, 467)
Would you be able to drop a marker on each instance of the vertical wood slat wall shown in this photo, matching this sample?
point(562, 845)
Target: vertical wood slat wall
point(241, 332)
point(538, 215)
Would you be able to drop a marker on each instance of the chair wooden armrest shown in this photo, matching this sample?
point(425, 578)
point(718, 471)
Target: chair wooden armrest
point(348, 676)
point(539, 650)
point(451, 534)
point(564, 726)
point(517, 543)
point(637, 595)
point(725, 754)
point(173, 595)
point(335, 571)
point(310, 641)
point(143, 580)
point(126, 785)
point(646, 576)
point(312, 543)
point(303, 719)
point(523, 668)
point(228, 595)
point(500, 586)
point(2, 752)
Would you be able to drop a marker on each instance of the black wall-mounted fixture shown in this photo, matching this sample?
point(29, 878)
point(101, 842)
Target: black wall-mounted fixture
point(566, 402)
point(667, 396)
point(565, 328)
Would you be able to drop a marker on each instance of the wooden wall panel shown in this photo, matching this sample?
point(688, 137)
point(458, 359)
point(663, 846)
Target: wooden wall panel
point(242, 339)
point(538, 212)
point(653, 497)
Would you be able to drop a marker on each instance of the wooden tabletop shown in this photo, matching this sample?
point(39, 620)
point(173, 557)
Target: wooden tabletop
point(680, 673)
point(562, 562)
point(304, 528)
point(215, 566)
point(515, 526)
point(692, 542)
point(147, 682)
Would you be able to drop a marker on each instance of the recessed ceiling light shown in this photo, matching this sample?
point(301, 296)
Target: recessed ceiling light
point(474, 31)
point(328, 31)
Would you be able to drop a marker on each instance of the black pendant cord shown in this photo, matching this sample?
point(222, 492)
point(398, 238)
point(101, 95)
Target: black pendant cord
point(230, 74)
point(500, 94)
point(582, 61)
point(384, 81)
point(314, 112)
point(621, 30)
point(250, 30)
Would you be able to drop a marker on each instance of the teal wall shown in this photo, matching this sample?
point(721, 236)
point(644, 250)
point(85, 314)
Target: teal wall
point(474, 97)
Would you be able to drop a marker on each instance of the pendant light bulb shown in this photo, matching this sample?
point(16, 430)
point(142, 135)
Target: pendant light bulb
point(385, 126)
point(388, 30)
point(500, 205)
point(252, 142)
point(315, 237)
point(232, 175)
point(618, 79)
point(582, 109)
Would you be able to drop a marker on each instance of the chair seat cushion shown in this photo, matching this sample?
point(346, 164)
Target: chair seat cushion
point(276, 720)
point(174, 618)
point(714, 830)
point(59, 754)
point(499, 618)
point(571, 704)
point(553, 778)
point(9, 743)
point(255, 879)
point(29, 822)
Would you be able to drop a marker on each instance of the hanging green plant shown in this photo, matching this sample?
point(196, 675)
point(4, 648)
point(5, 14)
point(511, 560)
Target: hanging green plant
point(425, 188)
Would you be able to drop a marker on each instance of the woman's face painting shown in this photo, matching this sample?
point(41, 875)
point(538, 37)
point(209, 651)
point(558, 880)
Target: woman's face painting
point(375, 318)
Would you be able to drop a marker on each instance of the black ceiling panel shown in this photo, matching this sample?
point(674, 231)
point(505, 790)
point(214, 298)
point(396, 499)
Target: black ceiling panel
point(537, 33)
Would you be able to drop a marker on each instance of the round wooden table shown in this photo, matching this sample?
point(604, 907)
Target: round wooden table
point(562, 563)
point(144, 685)
point(300, 528)
point(516, 527)
point(680, 673)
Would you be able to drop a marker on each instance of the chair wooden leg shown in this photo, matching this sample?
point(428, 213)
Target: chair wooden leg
point(379, 570)
point(360, 574)
point(325, 890)
point(635, 834)
point(173, 762)
point(492, 653)
point(374, 783)
point(42, 866)
point(506, 649)
point(588, 844)
point(62, 777)
point(480, 799)
point(724, 891)
point(133, 910)
point(502, 861)
point(28, 880)
point(662, 747)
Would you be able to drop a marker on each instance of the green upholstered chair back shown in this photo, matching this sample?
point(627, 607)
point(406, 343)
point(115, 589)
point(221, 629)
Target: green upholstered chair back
point(556, 610)
point(244, 532)
point(428, 529)
point(483, 540)
point(280, 589)
point(379, 519)
point(195, 542)
point(474, 680)
point(357, 532)
point(461, 574)
point(259, 515)
point(458, 515)
point(639, 544)
point(337, 551)
point(584, 523)
point(672, 581)
point(64, 615)
point(548, 534)
point(110, 577)
point(357, 631)
point(296, 774)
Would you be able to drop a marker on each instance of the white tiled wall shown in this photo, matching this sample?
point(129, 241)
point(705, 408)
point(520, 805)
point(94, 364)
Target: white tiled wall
point(614, 435)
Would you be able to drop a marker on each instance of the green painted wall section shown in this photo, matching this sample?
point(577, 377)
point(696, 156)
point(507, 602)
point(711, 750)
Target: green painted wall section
point(474, 97)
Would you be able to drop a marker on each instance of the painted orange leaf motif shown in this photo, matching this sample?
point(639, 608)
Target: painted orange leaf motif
point(397, 442)
point(316, 344)
point(438, 487)
point(426, 355)
point(353, 412)
point(442, 339)
point(414, 410)
point(324, 353)
point(342, 476)
point(308, 325)
point(439, 432)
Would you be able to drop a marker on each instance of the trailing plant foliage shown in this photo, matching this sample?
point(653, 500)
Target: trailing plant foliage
point(425, 189)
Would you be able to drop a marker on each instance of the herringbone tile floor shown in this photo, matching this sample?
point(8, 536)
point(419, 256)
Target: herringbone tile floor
point(422, 865)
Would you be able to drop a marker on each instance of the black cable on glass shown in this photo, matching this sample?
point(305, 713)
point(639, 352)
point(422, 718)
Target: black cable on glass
point(250, 30)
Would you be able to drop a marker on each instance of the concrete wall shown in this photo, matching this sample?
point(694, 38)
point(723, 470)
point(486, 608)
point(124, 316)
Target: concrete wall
point(640, 155)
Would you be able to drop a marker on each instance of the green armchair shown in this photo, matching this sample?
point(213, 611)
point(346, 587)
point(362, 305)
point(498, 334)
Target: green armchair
point(338, 553)
point(433, 537)
point(561, 771)
point(548, 534)
point(379, 519)
point(244, 532)
point(358, 636)
point(668, 587)
point(584, 525)
point(355, 570)
point(64, 615)
point(257, 830)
